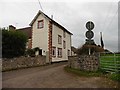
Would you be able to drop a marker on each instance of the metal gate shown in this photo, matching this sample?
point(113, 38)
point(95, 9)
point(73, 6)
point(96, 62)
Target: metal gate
point(110, 62)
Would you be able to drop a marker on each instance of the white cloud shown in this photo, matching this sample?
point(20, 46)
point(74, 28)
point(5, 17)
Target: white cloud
point(73, 15)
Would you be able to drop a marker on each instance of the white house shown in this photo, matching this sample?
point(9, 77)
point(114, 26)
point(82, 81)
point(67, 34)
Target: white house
point(52, 38)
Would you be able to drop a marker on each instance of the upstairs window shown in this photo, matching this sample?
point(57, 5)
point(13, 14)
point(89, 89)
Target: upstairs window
point(64, 34)
point(64, 44)
point(40, 24)
point(59, 39)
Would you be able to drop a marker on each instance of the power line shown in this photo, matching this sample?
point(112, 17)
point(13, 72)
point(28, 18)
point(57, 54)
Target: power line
point(40, 5)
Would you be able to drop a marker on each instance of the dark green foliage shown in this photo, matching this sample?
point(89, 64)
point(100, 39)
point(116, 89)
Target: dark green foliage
point(30, 52)
point(84, 50)
point(13, 43)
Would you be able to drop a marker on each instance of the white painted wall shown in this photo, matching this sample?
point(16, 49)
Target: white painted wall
point(58, 31)
point(40, 36)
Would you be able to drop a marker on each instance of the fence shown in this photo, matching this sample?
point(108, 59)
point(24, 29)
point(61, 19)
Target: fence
point(110, 62)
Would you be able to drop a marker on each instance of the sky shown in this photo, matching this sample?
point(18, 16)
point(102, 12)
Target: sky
point(72, 14)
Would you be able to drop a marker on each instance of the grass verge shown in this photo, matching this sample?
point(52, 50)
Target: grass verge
point(83, 73)
point(99, 73)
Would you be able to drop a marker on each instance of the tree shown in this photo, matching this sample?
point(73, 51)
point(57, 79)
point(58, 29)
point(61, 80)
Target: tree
point(84, 50)
point(13, 43)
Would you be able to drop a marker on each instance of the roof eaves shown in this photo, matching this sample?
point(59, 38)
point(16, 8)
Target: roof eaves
point(40, 12)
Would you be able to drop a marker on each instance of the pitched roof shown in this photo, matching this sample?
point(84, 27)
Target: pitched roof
point(54, 22)
point(27, 31)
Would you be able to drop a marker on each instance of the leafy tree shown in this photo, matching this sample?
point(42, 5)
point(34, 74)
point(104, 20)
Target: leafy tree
point(13, 43)
point(84, 50)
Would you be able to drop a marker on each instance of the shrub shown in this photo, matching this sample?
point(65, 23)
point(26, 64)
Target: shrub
point(30, 52)
point(13, 43)
point(84, 50)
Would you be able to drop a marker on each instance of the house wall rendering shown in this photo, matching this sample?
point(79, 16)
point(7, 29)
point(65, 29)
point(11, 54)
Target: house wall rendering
point(53, 39)
point(65, 44)
point(40, 35)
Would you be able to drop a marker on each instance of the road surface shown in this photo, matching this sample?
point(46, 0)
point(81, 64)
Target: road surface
point(52, 76)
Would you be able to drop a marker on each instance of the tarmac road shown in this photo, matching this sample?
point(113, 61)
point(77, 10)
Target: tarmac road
point(52, 76)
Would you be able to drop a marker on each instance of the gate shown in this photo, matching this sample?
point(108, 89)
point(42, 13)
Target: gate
point(110, 62)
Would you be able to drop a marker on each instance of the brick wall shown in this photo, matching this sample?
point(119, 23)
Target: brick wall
point(22, 62)
point(50, 41)
point(84, 62)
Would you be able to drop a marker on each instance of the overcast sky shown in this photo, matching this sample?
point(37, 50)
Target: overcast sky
point(72, 14)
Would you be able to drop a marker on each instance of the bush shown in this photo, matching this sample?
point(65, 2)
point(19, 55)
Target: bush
point(30, 52)
point(84, 50)
point(13, 43)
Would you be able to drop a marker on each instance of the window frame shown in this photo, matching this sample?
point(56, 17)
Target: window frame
point(64, 33)
point(59, 39)
point(59, 52)
point(54, 48)
point(64, 44)
point(38, 24)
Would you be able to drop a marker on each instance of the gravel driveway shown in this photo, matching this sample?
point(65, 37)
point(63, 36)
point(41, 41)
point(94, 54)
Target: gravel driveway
point(51, 76)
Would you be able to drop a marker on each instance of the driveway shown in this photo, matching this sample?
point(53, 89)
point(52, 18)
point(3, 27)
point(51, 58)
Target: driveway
point(52, 76)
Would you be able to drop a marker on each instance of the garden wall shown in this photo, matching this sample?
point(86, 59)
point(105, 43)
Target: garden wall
point(22, 62)
point(84, 62)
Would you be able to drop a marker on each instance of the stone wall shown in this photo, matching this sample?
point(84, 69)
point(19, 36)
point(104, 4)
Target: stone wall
point(84, 62)
point(22, 62)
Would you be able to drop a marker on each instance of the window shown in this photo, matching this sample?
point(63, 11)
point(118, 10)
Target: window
point(54, 51)
point(59, 39)
point(68, 52)
point(64, 44)
point(60, 52)
point(64, 34)
point(40, 24)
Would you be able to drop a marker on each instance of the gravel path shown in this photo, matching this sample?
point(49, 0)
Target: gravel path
point(51, 76)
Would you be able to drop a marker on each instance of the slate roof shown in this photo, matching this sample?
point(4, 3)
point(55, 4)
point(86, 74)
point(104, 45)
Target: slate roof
point(27, 31)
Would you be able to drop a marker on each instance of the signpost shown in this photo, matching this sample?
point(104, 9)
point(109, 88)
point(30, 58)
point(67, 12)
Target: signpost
point(89, 34)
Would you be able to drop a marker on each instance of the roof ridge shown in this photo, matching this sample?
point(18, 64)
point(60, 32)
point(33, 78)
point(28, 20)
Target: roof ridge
point(40, 12)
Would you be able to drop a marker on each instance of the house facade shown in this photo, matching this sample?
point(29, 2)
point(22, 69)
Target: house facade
point(52, 38)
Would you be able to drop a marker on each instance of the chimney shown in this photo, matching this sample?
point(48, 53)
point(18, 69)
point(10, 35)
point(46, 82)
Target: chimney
point(51, 16)
point(12, 28)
